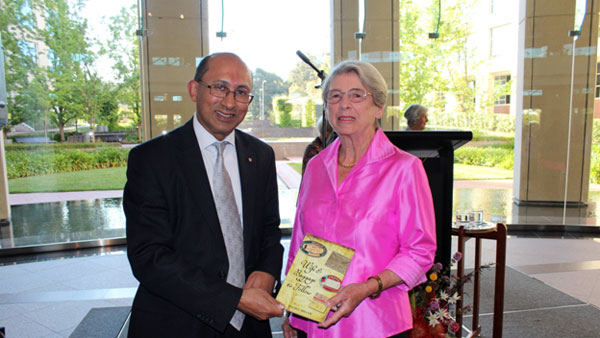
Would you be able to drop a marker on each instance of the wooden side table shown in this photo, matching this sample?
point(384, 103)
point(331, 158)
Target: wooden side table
point(495, 232)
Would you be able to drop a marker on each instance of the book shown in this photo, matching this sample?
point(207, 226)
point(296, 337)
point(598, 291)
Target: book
point(316, 274)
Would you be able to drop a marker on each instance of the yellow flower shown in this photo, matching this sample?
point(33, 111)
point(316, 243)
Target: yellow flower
point(428, 289)
point(433, 276)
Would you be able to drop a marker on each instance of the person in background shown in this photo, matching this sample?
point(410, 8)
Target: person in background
point(202, 213)
point(317, 144)
point(364, 193)
point(416, 117)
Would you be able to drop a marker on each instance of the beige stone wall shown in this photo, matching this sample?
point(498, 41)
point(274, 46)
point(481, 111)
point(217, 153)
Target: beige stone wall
point(173, 41)
point(380, 45)
point(544, 103)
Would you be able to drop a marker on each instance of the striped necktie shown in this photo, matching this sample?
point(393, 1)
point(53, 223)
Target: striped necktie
point(231, 226)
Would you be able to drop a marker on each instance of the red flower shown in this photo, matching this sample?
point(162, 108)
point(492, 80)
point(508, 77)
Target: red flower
point(454, 327)
point(438, 331)
point(420, 328)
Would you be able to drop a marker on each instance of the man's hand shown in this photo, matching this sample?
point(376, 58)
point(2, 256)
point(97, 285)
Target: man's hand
point(261, 280)
point(259, 304)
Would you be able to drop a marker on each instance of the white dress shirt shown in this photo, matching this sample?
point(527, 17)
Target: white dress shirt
point(209, 155)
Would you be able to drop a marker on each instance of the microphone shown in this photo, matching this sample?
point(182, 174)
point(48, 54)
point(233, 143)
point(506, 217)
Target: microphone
point(321, 74)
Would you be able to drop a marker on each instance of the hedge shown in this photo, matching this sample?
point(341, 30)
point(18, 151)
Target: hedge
point(497, 156)
point(595, 164)
point(54, 146)
point(24, 163)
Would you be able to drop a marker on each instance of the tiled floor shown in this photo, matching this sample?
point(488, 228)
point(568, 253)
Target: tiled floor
point(48, 295)
point(48, 298)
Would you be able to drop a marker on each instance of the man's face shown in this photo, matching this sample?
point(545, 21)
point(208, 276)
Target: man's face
point(221, 115)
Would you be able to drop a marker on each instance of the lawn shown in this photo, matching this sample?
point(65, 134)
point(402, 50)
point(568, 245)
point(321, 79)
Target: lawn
point(96, 179)
point(297, 166)
point(114, 179)
point(464, 172)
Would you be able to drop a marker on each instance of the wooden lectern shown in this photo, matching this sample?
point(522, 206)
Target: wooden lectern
point(436, 150)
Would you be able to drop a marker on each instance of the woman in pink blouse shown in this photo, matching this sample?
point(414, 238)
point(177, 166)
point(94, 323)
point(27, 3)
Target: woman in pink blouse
point(363, 192)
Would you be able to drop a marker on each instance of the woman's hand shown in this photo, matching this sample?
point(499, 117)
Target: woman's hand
point(288, 330)
point(346, 300)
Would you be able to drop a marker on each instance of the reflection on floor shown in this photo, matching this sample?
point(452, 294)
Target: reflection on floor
point(48, 295)
point(495, 199)
point(39, 219)
point(53, 218)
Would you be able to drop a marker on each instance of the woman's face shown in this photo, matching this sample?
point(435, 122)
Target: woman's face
point(351, 118)
point(421, 122)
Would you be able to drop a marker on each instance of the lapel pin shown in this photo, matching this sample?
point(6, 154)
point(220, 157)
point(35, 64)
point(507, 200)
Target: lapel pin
point(249, 159)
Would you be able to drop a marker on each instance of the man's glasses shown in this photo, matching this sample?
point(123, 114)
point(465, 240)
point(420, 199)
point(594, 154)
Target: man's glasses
point(219, 90)
point(355, 95)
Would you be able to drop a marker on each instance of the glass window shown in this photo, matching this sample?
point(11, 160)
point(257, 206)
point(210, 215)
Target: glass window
point(64, 95)
point(95, 88)
point(500, 81)
point(501, 38)
point(28, 49)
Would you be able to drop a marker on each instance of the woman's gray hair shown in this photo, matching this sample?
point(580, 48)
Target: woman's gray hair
point(368, 75)
point(414, 112)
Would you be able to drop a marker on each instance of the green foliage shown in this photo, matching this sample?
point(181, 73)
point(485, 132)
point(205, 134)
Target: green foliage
point(24, 164)
point(69, 86)
point(442, 73)
point(595, 164)
point(596, 132)
point(498, 155)
point(308, 116)
point(303, 79)
point(481, 135)
point(56, 146)
point(417, 65)
point(24, 86)
point(131, 138)
point(283, 110)
point(124, 49)
point(65, 35)
point(273, 86)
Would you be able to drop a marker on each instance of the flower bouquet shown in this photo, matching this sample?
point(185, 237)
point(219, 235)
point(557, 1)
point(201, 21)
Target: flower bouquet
point(433, 301)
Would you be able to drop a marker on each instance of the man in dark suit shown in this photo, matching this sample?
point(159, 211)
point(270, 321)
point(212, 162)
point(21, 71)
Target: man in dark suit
point(175, 240)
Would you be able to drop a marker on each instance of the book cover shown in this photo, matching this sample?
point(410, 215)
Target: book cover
point(315, 276)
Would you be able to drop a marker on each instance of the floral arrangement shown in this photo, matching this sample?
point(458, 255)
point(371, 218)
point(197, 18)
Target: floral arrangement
point(432, 302)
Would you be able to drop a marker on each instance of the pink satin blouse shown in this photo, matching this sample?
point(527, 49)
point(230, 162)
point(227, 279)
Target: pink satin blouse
point(384, 210)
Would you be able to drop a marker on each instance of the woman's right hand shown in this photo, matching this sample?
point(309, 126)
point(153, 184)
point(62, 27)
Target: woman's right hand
point(288, 330)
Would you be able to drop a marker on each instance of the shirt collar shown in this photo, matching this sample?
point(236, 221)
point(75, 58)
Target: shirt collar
point(206, 139)
point(379, 148)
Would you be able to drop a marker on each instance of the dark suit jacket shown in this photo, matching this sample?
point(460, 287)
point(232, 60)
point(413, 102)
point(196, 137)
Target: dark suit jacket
point(174, 240)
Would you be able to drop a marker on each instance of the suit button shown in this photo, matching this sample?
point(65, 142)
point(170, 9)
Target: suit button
point(222, 274)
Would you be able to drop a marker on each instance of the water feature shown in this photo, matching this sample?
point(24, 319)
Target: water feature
point(75, 221)
point(84, 220)
point(498, 206)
